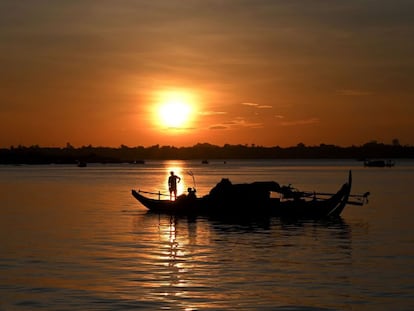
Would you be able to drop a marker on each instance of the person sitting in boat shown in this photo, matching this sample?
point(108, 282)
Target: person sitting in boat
point(191, 193)
point(172, 184)
point(190, 196)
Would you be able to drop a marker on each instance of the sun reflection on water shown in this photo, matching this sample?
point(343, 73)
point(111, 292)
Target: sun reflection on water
point(178, 265)
point(171, 253)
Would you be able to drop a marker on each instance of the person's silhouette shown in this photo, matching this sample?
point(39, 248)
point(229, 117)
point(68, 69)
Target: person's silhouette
point(172, 184)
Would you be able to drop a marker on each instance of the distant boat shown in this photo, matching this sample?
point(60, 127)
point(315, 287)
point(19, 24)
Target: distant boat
point(379, 163)
point(204, 162)
point(137, 162)
point(82, 164)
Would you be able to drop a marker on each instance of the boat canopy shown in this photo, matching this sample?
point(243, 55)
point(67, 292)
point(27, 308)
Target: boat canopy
point(258, 189)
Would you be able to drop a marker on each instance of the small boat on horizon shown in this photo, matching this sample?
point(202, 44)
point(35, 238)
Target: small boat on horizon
point(82, 164)
point(379, 163)
point(137, 162)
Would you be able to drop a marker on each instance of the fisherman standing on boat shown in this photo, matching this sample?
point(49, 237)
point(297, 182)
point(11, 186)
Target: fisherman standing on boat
point(172, 184)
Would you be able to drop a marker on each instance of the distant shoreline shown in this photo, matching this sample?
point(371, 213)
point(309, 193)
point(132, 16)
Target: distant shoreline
point(138, 155)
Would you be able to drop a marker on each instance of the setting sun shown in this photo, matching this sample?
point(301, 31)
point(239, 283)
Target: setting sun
point(174, 109)
point(174, 114)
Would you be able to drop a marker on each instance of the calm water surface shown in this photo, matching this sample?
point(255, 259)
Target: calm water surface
point(74, 239)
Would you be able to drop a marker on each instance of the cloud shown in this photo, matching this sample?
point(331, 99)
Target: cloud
point(176, 128)
point(237, 123)
point(256, 105)
point(218, 127)
point(300, 122)
point(353, 93)
point(212, 113)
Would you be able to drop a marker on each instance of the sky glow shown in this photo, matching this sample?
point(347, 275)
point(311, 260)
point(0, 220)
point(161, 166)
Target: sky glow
point(260, 72)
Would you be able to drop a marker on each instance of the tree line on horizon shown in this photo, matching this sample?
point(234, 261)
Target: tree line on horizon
point(124, 154)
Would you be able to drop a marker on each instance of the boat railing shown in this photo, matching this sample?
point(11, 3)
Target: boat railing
point(155, 193)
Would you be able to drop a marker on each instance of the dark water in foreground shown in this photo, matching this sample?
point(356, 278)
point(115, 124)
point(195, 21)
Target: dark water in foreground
point(74, 239)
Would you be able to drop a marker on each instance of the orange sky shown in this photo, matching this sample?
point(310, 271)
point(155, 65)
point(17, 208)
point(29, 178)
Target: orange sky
point(262, 72)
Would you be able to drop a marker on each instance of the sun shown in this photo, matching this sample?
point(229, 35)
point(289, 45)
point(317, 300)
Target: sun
point(174, 114)
point(174, 110)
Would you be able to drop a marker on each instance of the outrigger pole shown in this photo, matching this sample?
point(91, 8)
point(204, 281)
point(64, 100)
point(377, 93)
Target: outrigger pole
point(361, 198)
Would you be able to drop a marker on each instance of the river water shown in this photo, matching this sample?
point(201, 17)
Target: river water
point(75, 239)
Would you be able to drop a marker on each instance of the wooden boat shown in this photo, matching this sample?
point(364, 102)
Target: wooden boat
point(228, 200)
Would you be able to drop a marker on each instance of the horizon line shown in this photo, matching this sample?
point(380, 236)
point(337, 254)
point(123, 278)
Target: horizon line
point(251, 145)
